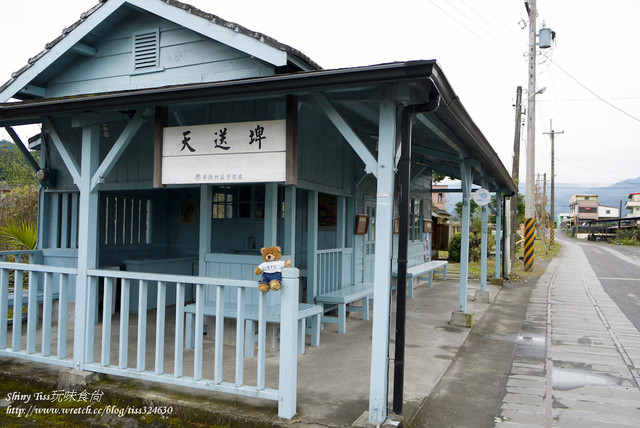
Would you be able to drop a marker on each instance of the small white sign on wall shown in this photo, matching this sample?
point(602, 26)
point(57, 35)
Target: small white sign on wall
point(225, 153)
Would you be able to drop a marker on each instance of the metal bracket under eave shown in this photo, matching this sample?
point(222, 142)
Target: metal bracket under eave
point(119, 146)
point(69, 161)
point(23, 149)
point(352, 138)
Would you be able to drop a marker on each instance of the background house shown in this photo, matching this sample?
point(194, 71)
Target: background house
point(442, 227)
point(633, 205)
point(605, 212)
point(583, 207)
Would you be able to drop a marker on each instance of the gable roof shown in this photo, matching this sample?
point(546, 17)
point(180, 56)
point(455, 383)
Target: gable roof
point(257, 44)
point(442, 138)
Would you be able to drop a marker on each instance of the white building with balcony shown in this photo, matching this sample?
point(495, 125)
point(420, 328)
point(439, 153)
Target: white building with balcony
point(633, 205)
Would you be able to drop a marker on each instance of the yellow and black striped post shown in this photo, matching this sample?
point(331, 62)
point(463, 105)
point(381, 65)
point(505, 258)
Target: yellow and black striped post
point(529, 234)
point(552, 234)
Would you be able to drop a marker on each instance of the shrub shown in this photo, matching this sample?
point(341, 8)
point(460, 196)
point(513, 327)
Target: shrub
point(20, 203)
point(19, 236)
point(18, 217)
point(454, 248)
point(628, 236)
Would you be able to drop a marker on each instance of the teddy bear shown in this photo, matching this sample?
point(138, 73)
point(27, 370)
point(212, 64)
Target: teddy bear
point(271, 269)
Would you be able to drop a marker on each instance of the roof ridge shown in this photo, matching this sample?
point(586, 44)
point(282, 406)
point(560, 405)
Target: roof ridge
point(175, 3)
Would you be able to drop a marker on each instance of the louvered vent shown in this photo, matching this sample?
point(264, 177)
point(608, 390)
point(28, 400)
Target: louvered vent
point(146, 50)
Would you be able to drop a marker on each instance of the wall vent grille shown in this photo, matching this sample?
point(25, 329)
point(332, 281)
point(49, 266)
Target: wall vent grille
point(146, 50)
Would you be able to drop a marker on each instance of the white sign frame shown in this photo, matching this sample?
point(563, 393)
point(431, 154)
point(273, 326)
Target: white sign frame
point(482, 197)
point(225, 153)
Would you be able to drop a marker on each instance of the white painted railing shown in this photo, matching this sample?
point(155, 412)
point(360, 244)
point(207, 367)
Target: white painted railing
point(329, 270)
point(56, 284)
point(284, 393)
point(20, 256)
point(113, 339)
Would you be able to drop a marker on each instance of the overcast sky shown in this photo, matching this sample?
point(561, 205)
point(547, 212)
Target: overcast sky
point(592, 73)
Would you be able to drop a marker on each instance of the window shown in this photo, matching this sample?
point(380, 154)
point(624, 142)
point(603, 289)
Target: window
point(440, 198)
point(244, 201)
point(223, 202)
point(146, 51)
point(127, 220)
point(370, 239)
point(412, 221)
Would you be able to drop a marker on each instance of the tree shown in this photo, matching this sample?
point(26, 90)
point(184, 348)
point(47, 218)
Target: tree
point(473, 207)
point(520, 218)
point(19, 207)
point(14, 169)
point(475, 229)
point(437, 178)
point(18, 217)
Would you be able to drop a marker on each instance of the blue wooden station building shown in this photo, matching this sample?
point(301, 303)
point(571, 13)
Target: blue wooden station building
point(175, 145)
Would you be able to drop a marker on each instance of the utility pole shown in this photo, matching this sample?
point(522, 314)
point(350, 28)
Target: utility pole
point(515, 173)
point(531, 111)
point(552, 133)
point(544, 186)
point(529, 206)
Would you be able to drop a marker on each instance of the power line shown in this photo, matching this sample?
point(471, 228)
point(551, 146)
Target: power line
point(553, 86)
point(505, 36)
point(497, 19)
point(603, 185)
point(572, 100)
point(493, 46)
point(593, 93)
point(596, 172)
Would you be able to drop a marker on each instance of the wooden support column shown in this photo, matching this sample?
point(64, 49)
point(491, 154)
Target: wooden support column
point(271, 214)
point(292, 140)
point(87, 249)
point(498, 235)
point(341, 222)
point(467, 180)
point(340, 237)
point(350, 270)
point(206, 214)
point(289, 245)
point(378, 386)
point(312, 244)
point(162, 118)
point(484, 244)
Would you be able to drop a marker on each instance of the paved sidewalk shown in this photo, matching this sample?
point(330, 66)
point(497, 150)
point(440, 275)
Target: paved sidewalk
point(577, 358)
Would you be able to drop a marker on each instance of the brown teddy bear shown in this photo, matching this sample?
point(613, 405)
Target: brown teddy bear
point(271, 269)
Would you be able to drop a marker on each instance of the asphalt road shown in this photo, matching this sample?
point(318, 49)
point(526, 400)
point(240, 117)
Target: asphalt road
point(618, 269)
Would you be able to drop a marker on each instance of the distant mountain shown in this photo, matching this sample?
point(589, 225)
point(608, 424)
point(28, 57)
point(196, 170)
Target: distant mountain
point(613, 196)
point(609, 196)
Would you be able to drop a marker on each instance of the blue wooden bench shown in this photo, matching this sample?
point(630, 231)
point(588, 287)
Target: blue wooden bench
point(25, 301)
point(342, 299)
point(430, 268)
point(25, 297)
point(305, 310)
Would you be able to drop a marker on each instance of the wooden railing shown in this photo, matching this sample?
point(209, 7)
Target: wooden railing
point(56, 286)
point(115, 337)
point(329, 270)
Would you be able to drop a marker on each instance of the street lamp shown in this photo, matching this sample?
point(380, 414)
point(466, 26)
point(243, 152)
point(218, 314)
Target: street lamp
point(538, 92)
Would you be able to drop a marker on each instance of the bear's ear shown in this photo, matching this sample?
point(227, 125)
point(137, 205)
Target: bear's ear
point(262, 250)
point(278, 249)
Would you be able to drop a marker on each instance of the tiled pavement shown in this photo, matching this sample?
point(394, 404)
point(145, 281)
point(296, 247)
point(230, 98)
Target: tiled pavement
point(577, 359)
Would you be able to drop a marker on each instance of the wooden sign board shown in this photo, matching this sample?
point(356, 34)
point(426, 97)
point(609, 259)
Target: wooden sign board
point(225, 153)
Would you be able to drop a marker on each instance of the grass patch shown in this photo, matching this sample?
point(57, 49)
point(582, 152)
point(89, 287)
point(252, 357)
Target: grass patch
point(10, 312)
point(540, 254)
point(517, 270)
